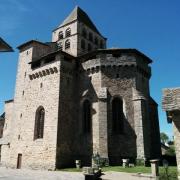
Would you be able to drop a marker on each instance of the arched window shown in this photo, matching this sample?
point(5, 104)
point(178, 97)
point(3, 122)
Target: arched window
point(84, 33)
point(86, 116)
point(39, 123)
point(117, 116)
point(89, 47)
point(90, 36)
point(68, 32)
point(60, 46)
point(60, 35)
point(83, 46)
point(67, 44)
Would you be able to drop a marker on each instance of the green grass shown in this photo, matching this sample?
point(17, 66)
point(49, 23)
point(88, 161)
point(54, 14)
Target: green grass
point(172, 171)
point(136, 169)
point(70, 170)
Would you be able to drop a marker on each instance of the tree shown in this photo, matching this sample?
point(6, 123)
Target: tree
point(164, 137)
point(171, 151)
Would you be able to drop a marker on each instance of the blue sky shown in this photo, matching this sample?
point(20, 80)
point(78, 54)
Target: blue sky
point(151, 26)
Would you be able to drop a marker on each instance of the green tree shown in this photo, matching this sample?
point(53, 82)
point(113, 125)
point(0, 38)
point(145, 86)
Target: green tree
point(164, 137)
point(171, 151)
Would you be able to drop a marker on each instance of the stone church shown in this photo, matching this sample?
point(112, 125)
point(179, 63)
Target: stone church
point(74, 97)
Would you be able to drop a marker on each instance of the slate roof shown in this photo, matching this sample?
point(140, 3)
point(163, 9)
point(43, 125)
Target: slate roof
point(4, 47)
point(171, 99)
point(80, 15)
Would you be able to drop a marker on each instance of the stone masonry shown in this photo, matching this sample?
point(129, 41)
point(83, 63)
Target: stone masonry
point(94, 100)
point(171, 104)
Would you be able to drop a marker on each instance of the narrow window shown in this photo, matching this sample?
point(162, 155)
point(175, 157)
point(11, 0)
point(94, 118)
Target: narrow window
point(39, 123)
point(68, 32)
point(19, 161)
point(84, 33)
point(90, 36)
point(60, 35)
point(86, 116)
point(117, 116)
point(89, 47)
point(19, 136)
point(96, 41)
point(83, 46)
point(67, 44)
point(60, 46)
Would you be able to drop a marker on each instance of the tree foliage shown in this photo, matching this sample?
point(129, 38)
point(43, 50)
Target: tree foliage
point(164, 137)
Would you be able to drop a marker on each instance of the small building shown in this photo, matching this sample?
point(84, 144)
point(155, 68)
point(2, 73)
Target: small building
point(5, 47)
point(171, 104)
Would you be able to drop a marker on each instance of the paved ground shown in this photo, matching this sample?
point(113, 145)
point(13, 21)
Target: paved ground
point(16, 174)
point(124, 176)
point(22, 174)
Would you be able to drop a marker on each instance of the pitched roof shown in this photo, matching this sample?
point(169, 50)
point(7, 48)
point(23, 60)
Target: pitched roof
point(4, 47)
point(80, 15)
point(30, 42)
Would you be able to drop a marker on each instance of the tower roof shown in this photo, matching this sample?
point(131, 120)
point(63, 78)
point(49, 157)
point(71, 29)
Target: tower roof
point(80, 15)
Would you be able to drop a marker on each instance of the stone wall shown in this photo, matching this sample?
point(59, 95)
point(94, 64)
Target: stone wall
point(67, 116)
point(171, 104)
point(155, 133)
point(121, 75)
point(29, 95)
point(7, 133)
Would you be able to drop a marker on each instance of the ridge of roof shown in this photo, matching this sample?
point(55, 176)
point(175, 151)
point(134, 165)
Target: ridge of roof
point(29, 42)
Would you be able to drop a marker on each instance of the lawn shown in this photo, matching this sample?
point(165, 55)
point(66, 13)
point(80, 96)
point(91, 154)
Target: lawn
point(170, 175)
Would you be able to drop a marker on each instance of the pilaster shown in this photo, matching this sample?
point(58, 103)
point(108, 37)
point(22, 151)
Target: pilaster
point(140, 126)
point(102, 124)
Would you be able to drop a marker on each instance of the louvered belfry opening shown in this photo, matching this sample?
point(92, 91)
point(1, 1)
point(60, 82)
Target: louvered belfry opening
point(39, 123)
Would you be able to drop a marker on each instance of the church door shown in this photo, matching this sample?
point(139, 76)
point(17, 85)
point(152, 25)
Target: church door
point(19, 161)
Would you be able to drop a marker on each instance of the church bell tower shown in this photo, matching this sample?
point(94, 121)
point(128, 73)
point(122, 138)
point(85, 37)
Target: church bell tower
point(77, 34)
